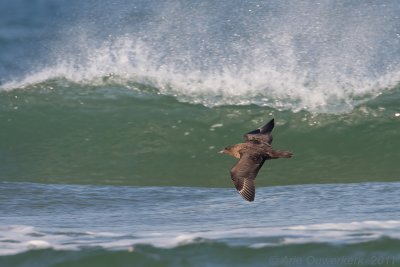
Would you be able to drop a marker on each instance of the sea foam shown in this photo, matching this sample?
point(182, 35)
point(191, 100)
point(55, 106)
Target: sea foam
point(339, 233)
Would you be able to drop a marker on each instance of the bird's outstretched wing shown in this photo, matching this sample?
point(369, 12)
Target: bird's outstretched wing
point(262, 134)
point(244, 173)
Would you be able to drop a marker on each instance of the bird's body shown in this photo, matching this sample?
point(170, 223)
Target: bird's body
point(252, 154)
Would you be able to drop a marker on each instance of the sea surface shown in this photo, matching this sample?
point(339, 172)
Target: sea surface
point(112, 114)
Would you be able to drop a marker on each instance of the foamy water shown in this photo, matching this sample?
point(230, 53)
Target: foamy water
point(18, 239)
point(321, 57)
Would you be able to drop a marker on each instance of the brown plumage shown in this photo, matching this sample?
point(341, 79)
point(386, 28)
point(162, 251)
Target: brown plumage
point(252, 154)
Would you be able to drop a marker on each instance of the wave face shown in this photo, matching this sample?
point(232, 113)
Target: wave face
point(318, 57)
point(62, 132)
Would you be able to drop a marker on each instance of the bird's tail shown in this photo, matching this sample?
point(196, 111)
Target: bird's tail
point(276, 154)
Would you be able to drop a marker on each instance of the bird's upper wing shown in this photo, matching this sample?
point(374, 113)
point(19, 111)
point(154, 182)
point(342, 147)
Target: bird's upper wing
point(244, 173)
point(259, 138)
point(262, 134)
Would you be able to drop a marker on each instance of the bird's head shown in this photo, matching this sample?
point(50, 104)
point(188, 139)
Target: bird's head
point(230, 150)
point(223, 151)
point(226, 150)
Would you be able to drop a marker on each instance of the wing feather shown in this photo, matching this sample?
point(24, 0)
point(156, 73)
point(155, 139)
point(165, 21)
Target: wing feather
point(244, 173)
point(262, 134)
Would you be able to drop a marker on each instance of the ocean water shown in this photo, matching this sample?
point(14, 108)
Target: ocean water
point(112, 114)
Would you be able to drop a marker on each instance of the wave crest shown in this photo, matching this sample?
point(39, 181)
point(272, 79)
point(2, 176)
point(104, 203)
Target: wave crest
point(289, 57)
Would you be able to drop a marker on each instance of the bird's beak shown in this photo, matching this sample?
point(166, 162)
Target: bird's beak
point(221, 152)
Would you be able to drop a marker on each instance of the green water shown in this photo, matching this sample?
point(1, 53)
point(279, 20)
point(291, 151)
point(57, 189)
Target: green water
point(113, 135)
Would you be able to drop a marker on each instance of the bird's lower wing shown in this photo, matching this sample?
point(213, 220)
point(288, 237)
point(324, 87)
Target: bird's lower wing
point(245, 187)
point(243, 175)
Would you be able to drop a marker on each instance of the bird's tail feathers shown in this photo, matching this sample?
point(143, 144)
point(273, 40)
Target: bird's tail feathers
point(276, 154)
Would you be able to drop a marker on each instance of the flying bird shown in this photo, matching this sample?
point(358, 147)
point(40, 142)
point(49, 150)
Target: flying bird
point(252, 154)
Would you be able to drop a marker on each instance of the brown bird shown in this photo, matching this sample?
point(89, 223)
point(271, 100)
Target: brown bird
point(252, 154)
